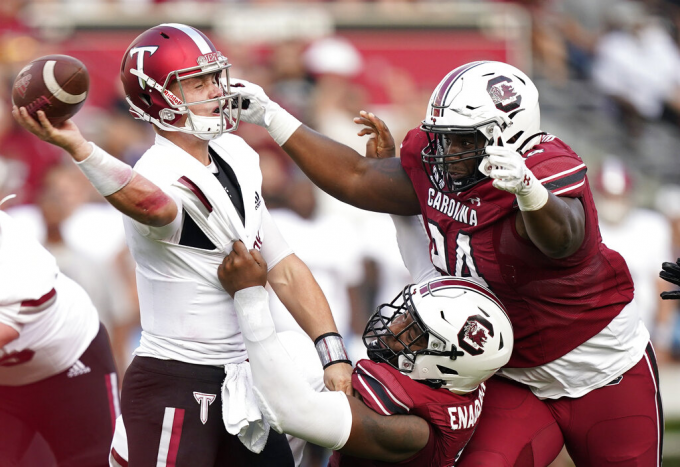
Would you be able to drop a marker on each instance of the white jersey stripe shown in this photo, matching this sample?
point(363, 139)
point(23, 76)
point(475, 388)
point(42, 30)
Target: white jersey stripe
point(195, 36)
point(573, 187)
point(568, 171)
point(389, 393)
point(373, 396)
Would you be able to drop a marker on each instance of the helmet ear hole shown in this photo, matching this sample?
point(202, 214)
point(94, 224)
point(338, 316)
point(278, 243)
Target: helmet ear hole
point(447, 371)
point(146, 99)
point(514, 139)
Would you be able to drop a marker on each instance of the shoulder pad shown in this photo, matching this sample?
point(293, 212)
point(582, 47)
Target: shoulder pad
point(557, 166)
point(380, 388)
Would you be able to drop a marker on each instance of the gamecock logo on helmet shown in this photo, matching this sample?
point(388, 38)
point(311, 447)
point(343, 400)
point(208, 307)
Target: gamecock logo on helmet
point(473, 335)
point(503, 94)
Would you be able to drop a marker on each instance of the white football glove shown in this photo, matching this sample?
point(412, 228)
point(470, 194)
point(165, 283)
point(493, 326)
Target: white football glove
point(259, 109)
point(509, 173)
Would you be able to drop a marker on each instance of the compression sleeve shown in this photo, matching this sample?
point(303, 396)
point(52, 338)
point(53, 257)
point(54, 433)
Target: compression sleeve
point(274, 246)
point(286, 399)
point(414, 246)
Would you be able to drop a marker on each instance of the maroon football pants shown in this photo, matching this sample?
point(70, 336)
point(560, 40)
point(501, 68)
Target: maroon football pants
point(620, 424)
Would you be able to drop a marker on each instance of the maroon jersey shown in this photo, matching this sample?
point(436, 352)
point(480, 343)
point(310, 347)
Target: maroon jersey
point(452, 417)
point(554, 304)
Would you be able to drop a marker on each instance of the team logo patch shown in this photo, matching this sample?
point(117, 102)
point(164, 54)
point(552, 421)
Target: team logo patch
point(204, 400)
point(474, 334)
point(502, 92)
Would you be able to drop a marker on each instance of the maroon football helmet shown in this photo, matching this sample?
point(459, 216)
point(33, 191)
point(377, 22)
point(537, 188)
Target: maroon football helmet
point(171, 53)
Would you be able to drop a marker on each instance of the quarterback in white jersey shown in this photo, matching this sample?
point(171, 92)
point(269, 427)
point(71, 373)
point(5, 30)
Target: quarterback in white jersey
point(187, 396)
point(55, 357)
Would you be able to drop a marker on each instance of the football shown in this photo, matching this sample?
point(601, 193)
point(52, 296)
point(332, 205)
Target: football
point(56, 84)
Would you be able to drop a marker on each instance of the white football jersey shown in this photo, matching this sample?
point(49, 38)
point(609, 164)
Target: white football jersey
point(54, 316)
point(186, 315)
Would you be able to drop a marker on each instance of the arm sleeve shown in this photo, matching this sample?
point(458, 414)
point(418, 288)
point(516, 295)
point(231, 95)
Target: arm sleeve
point(414, 246)
point(274, 246)
point(284, 395)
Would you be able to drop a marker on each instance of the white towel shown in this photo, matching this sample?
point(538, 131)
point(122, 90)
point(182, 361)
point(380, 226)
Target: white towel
point(240, 412)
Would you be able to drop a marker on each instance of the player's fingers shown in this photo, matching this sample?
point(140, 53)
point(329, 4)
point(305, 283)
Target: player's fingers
point(28, 122)
point(670, 267)
point(240, 250)
point(44, 122)
point(257, 256)
point(670, 277)
point(379, 124)
point(670, 295)
point(366, 131)
point(498, 151)
point(498, 161)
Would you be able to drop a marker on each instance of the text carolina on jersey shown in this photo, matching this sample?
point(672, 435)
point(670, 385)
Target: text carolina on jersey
point(452, 208)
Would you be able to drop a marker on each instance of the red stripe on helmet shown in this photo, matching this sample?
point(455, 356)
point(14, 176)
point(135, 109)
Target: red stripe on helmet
point(448, 83)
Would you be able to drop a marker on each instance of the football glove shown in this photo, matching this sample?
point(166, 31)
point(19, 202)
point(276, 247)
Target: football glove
point(259, 109)
point(671, 273)
point(510, 173)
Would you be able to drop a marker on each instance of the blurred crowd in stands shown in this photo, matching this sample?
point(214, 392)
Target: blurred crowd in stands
point(609, 76)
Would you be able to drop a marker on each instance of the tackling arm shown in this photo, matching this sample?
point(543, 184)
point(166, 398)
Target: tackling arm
point(293, 283)
point(373, 184)
point(330, 419)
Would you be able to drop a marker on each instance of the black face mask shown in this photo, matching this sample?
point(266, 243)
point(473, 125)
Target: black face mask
point(436, 161)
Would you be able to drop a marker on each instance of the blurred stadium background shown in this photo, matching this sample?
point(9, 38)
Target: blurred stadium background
point(608, 72)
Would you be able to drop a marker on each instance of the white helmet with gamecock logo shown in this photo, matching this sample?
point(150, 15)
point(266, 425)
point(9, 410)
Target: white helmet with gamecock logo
point(457, 333)
point(473, 99)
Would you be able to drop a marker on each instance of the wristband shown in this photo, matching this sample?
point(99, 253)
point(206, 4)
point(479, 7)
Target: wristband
point(282, 126)
point(331, 349)
point(106, 173)
point(535, 196)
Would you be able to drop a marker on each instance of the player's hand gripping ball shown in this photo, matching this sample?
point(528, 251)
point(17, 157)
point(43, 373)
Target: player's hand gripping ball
point(56, 84)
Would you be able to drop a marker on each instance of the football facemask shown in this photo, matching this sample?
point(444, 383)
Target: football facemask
point(441, 164)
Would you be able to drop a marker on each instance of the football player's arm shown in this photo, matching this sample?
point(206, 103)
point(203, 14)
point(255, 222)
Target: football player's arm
point(391, 438)
point(374, 184)
point(126, 190)
point(295, 286)
point(330, 419)
point(557, 229)
point(556, 225)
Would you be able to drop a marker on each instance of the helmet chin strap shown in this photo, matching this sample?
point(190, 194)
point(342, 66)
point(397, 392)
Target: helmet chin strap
point(205, 125)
